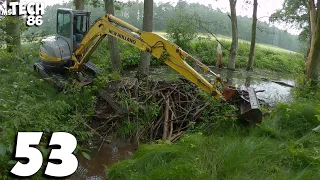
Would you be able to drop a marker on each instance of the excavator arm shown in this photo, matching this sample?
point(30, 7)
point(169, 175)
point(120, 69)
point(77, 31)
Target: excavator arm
point(157, 46)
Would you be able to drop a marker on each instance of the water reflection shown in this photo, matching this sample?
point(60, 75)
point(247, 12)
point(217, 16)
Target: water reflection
point(229, 77)
point(274, 87)
point(109, 154)
point(248, 80)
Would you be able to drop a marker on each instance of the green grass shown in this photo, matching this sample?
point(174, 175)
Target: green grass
point(28, 103)
point(228, 40)
point(266, 152)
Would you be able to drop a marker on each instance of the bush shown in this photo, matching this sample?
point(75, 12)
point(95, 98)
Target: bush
point(181, 28)
point(296, 119)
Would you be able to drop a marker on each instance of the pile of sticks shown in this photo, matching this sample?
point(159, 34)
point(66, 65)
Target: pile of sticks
point(180, 107)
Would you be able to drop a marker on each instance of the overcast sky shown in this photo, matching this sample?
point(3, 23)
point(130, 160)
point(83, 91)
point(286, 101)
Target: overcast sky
point(265, 8)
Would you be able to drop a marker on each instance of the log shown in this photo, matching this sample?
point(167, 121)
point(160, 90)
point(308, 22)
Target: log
point(166, 121)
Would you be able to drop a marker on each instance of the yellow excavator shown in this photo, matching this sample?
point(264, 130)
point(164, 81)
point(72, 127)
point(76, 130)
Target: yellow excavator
point(66, 55)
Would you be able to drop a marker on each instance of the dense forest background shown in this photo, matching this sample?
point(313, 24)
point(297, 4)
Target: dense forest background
point(220, 23)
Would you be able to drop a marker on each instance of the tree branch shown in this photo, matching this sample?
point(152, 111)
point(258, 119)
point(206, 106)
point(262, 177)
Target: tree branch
point(216, 38)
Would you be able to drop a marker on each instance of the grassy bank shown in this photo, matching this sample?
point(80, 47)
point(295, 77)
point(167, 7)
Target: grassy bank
point(283, 147)
point(30, 104)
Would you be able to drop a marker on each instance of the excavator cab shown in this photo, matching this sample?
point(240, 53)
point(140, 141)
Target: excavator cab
point(56, 51)
point(72, 25)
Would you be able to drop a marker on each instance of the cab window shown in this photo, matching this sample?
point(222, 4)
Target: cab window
point(81, 23)
point(64, 24)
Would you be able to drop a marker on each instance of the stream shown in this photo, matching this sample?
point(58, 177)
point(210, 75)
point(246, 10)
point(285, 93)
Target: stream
point(276, 86)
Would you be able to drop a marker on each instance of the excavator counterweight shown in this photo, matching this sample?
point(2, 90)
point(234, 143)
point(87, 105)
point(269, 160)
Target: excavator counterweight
point(65, 56)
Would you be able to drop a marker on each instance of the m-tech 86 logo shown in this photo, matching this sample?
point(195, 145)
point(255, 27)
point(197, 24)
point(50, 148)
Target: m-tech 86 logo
point(31, 11)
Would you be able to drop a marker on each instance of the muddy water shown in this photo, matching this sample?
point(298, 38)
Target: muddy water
point(96, 168)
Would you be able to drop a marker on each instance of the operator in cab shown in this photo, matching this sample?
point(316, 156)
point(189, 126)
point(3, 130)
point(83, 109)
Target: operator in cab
point(77, 34)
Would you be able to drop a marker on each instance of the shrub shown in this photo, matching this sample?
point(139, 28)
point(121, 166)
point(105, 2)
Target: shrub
point(296, 119)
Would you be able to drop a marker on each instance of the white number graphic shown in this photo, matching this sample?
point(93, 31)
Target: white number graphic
point(23, 150)
point(31, 21)
point(68, 144)
point(39, 20)
point(34, 20)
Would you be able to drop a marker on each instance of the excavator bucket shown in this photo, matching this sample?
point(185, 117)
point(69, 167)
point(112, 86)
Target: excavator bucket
point(248, 102)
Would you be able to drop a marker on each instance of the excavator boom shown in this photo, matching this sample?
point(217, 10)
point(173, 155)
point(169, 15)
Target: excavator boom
point(157, 46)
point(164, 50)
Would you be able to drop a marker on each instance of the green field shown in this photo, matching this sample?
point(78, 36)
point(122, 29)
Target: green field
point(228, 39)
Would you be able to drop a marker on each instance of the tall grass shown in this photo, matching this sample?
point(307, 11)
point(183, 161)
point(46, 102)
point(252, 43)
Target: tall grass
point(283, 147)
point(232, 156)
point(28, 103)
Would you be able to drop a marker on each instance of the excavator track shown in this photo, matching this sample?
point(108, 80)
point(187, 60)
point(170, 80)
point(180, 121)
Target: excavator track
point(60, 80)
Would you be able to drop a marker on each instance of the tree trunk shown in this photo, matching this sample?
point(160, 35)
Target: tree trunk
point(253, 36)
point(313, 27)
point(309, 42)
point(13, 31)
point(147, 27)
point(314, 57)
point(234, 45)
point(80, 4)
point(219, 56)
point(114, 52)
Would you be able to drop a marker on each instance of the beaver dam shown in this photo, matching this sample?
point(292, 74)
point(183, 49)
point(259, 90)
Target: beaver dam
point(143, 112)
point(164, 110)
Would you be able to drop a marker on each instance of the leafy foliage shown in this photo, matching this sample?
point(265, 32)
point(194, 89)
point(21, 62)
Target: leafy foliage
point(181, 28)
point(295, 14)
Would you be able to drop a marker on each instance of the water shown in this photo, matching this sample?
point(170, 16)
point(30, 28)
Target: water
point(96, 168)
point(276, 86)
